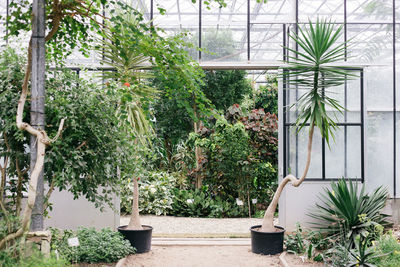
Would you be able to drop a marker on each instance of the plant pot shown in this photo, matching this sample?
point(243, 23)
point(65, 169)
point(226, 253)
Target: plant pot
point(139, 239)
point(267, 243)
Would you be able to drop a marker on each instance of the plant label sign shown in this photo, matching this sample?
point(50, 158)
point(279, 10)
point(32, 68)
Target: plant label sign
point(239, 202)
point(73, 242)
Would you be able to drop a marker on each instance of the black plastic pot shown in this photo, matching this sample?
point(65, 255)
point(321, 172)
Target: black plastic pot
point(140, 239)
point(267, 243)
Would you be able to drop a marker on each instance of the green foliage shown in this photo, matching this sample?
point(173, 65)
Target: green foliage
point(198, 203)
point(38, 260)
point(155, 193)
point(225, 88)
point(120, 48)
point(239, 159)
point(92, 143)
point(12, 141)
point(347, 207)
point(79, 19)
point(388, 246)
point(362, 254)
point(300, 242)
point(309, 70)
point(266, 96)
point(94, 246)
point(295, 242)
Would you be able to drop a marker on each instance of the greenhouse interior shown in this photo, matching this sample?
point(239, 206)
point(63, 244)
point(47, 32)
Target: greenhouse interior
point(199, 133)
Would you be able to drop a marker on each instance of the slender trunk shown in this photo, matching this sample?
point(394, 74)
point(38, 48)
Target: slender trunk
point(268, 221)
point(197, 152)
point(3, 171)
point(48, 195)
point(41, 138)
point(167, 145)
point(134, 222)
point(19, 187)
point(248, 203)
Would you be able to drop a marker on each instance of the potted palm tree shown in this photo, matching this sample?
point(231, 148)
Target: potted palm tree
point(310, 68)
point(120, 49)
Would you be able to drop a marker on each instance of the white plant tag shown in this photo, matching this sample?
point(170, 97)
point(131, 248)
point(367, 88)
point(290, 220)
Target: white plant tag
point(190, 200)
point(73, 242)
point(239, 202)
point(254, 201)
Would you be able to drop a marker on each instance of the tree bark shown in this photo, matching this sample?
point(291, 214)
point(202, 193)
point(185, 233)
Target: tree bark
point(268, 221)
point(37, 103)
point(134, 222)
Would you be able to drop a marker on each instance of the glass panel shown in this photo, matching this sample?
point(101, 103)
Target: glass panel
point(297, 163)
point(313, 9)
point(353, 152)
point(224, 32)
point(275, 11)
point(370, 43)
point(369, 10)
point(335, 155)
point(379, 150)
point(266, 42)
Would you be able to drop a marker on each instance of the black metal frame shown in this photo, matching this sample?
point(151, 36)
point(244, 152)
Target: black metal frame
point(287, 126)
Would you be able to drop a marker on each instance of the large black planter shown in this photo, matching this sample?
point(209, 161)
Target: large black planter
point(267, 243)
point(140, 239)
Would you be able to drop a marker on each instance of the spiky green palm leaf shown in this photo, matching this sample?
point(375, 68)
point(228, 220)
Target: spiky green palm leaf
point(120, 48)
point(310, 69)
point(345, 208)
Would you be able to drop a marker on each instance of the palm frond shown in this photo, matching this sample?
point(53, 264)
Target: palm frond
point(310, 68)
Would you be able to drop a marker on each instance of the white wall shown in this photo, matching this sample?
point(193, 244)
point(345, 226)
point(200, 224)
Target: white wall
point(68, 213)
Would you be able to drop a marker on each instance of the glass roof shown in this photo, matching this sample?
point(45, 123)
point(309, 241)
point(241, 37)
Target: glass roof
point(247, 31)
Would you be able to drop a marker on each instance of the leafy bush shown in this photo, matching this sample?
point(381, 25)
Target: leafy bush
point(344, 208)
point(388, 246)
point(155, 193)
point(38, 260)
point(231, 165)
point(94, 246)
point(197, 203)
point(300, 242)
point(295, 242)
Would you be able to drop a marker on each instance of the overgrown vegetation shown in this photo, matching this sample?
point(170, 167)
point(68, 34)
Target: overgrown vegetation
point(351, 229)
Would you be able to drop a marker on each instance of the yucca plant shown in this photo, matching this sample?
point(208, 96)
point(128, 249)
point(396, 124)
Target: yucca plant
point(345, 206)
point(120, 48)
point(310, 69)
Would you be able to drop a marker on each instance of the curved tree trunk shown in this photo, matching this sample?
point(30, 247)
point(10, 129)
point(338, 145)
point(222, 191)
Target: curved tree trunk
point(268, 221)
point(134, 222)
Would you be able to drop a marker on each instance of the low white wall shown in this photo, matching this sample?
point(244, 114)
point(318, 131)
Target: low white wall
point(296, 202)
point(68, 213)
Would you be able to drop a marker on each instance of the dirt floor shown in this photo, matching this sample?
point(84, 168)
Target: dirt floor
point(196, 256)
point(296, 261)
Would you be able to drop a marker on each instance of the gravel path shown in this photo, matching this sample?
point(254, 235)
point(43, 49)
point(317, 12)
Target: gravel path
point(179, 226)
point(195, 256)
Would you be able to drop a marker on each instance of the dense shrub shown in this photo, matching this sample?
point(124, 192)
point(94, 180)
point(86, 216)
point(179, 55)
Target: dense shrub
point(155, 193)
point(197, 203)
point(94, 246)
point(344, 208)
point(388, 246)
point(232, 166)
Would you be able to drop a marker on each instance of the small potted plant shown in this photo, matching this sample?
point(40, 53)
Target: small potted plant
point(138, 235)
point(310, 71)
